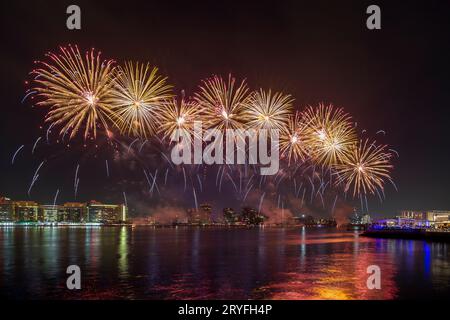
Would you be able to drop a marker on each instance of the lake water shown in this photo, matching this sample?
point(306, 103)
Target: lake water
point(213, 263)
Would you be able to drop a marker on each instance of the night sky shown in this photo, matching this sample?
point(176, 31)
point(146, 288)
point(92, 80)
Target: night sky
point(395, 79)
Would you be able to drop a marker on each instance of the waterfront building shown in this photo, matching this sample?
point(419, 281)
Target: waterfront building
point(230, 216)
point(420, 219)
point(205, 213)
point(6, 210)
point(250, 216)
point(49, 213)
point(438, 218)
point(75, 212)
point(26, 211)
point(194, 217)
point(106, 213)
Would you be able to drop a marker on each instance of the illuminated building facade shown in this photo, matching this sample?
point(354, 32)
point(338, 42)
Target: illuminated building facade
point(6, 210)
point(26, 211)
point(230, 216)
point(49, 213)
point(205, 213)
point(106, 213)
point(71, 212)
point(75, 212)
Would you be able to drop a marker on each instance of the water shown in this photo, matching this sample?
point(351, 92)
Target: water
point(193, 263)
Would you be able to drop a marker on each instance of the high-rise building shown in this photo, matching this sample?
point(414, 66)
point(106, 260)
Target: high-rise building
point(6, 210)
point(106, 213)
point(251, 216)
point(230, 216)
point(206, 213)
point(49, 213)
point(26, 211)
point(75, 211)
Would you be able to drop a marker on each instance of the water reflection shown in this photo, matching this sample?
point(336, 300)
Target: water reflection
point(147, 263)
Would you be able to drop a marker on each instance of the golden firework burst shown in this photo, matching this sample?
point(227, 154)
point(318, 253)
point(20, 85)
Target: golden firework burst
point(223, 102)
point(329, 133)
point(292, 139)
point(75, 87)
point(137, 97)
point(268, 111)
point(178, 115)
point(364, 169)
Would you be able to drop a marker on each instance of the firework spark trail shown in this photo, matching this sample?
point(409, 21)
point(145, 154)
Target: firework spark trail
point(261, 202)
point(35, 144)
point(142, 145)
point(48, 132)
point(312, 190)
point(27, 95)
point(32, 184)
point(334, 205)
point(299, 189)
point(240, 182)
point(321, 198)
point(185, 182)
point(195, 198)
point(35, 177)
point(75, 183)
point(249, 180)
point(55, 199)
point(303, 197)
point(132, 143)
point(107, 168)
point(153, 184)
point(217, 175)
point(396, 153)
point(367, 205)
point(167, 159)
point(200, 183)
point(15, 154)
point(232, 181)
point(379, 195)
point(148, 179)
point(221, 179)
point(76, 187)
point(279, 199)
point(279, 181)
point(165, 176)
point(125, 199)
point(246, 194)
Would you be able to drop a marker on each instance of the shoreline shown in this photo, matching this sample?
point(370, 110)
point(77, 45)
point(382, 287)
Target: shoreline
point(408, 234)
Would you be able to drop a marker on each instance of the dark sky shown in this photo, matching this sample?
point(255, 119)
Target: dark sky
point(395, 79)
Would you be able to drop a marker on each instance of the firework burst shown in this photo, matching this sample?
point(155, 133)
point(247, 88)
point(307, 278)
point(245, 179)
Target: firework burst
point(75, 88)
point(330, 134)
point(268, 111)
point(178, 114)
point(292, 139)
point(137, 97)
point(223, 102)
point(365, 169)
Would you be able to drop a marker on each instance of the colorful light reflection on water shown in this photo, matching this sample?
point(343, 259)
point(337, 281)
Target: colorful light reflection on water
point(190, 263)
